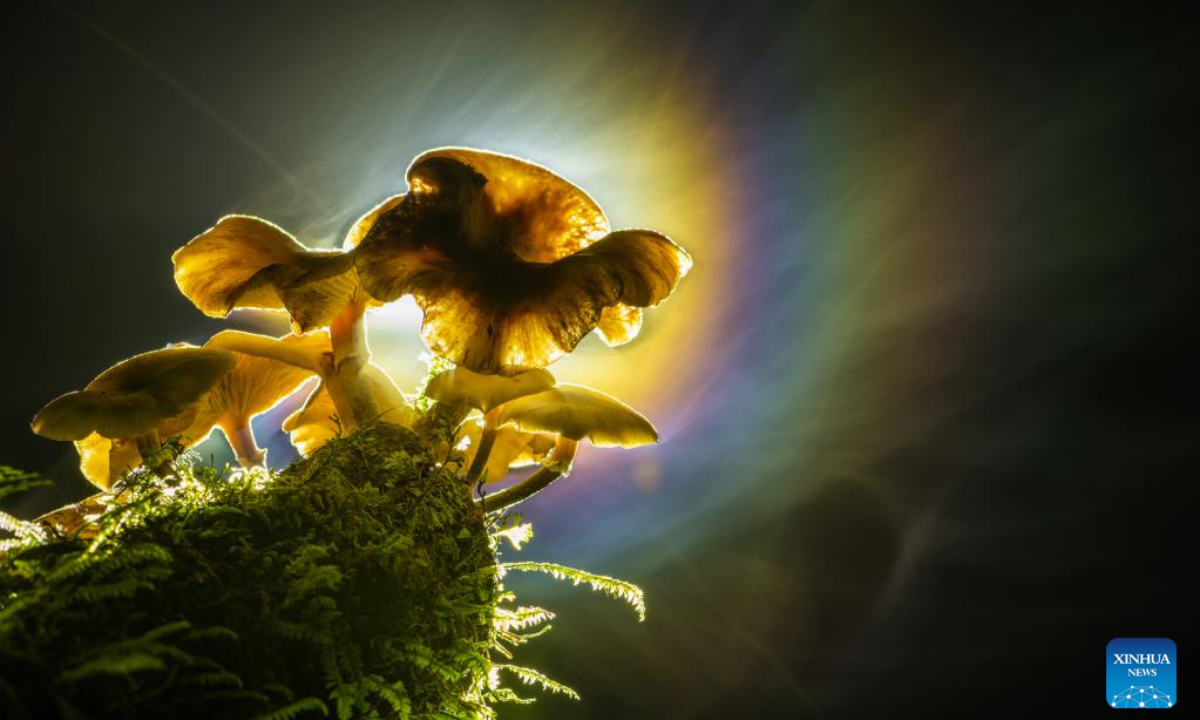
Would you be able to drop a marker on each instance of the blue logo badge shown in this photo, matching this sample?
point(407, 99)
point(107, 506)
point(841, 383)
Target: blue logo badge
point(1141, 673)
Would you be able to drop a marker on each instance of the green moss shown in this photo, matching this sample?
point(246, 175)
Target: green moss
point(362, 577)
point(361, 582)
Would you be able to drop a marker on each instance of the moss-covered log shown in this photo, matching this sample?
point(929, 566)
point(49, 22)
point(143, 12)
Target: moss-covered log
point(360, 581)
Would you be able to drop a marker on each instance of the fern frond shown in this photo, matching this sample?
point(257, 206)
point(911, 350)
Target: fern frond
point(521, 618)
point(617, 589)
point(114, 665)
point(215, 679)
point(529, 676)
point(506, 695)
point(394, 694)
point(23, 529)
point(287, 712)
point(516, 535)
point(13, 481)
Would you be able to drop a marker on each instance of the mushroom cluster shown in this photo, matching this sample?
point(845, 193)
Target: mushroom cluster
point(511, 266)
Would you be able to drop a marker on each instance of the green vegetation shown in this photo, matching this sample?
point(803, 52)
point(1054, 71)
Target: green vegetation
point(360, 582)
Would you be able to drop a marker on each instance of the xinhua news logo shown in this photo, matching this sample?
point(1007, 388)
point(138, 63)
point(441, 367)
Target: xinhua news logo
point(1141, 673)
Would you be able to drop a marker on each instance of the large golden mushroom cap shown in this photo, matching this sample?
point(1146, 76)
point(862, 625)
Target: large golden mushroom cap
point(532, 212)
point(247, 262)
point(358, 231)
point(577, 412)
point(135, 396)
point(511, 263)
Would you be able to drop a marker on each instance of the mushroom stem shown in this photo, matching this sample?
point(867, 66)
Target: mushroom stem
point(241, 440)
point(339, 396)
point(348, 334)
point(486, 440)
point(556, 466)
point(148, 445)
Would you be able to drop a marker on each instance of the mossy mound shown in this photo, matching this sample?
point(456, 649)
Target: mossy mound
point(360, 581)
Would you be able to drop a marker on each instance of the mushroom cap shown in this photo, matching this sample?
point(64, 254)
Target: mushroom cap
point(257, 383)
point(135, 396)
point(215, 267)
point(358, 231)
point(306, 351)
point(512, 448)
point(510, 263)
point(578, 412)
point(104, 460)
point(484, 392)
point(314, 423)
point(533, 212)
point(619, 324)
point(247, 262)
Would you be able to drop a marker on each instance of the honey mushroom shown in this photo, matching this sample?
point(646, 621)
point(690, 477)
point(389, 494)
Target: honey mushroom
point(485, 393)
point(511, 264)
point(122, 416)
point(318, 419)
point(571, 413)
point(510, 449)
point(254, 385)
point(310, 355)
point(247, 262)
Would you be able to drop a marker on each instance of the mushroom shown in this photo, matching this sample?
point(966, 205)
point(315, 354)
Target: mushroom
point(511, 264)
point(314, 423)
point(510, 448)
point(120, 418)
point(312, 354)
point(254, 385)
point(485, 393)
point(572, 413)
point(247, 262)
point(318, 419)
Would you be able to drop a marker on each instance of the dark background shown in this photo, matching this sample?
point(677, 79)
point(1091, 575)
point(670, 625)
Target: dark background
point(950, 514)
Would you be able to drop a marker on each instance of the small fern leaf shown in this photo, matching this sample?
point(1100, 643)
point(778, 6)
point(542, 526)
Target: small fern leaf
point(529, 676)
point(617, 589)
point(288, 712)
point(109, 665)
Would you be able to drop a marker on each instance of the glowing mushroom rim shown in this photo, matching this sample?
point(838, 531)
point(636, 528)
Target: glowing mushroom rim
point(511, 266)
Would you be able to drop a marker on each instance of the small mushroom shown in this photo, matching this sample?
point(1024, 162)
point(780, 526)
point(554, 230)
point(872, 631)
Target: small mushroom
point(572, 413)
point(318, 419)
point(312, 354)
point(245, 261)
point(120, 417)
point(510, 448)
point(485, 393)
point(358, 231)
point(511, 264)
point(314, 423)
point(254, 385)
